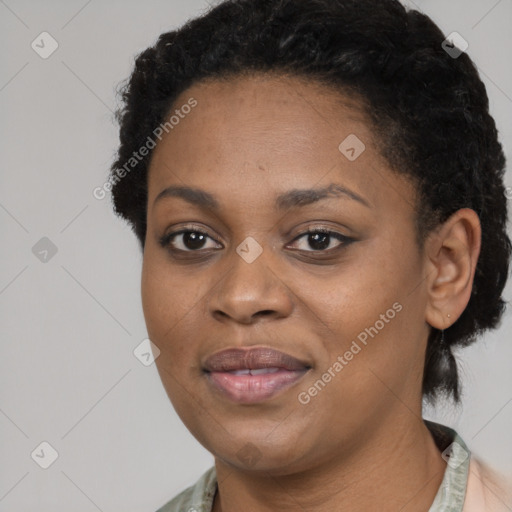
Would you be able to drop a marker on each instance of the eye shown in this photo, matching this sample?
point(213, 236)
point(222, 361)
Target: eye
point(186, 240)
point(192, 239)
point(320, 239)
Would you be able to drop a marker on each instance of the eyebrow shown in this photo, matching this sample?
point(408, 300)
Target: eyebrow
point(294, 198)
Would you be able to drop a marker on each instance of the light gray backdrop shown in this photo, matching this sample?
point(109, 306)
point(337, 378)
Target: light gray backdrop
point(71, 314)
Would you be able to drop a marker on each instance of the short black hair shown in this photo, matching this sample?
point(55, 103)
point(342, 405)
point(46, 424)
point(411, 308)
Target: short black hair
point(429, 111)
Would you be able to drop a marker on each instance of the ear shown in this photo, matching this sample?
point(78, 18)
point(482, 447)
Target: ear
point(451, 255)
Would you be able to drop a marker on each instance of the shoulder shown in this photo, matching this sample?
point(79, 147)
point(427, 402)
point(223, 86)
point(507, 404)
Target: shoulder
point(487, 490)
point(197, 497)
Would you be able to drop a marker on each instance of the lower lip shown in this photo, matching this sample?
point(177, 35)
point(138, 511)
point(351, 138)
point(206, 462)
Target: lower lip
point(249, 389)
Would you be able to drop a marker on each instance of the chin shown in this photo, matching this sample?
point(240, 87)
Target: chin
point(247, 451)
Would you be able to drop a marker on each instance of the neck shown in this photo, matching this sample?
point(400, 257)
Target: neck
point(399, 468)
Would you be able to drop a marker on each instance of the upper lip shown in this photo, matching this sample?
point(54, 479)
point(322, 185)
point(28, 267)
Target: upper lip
point(261, 357)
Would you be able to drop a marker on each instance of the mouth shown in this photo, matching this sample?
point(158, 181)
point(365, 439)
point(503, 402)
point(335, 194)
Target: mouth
point(253, 375)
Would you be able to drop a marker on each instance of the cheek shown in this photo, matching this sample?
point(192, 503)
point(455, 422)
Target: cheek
point(371, 316)
point(170, 304)
point(351, 298)
point(168, 293)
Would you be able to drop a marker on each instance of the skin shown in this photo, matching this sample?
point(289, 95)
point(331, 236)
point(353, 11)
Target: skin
point(360, 443)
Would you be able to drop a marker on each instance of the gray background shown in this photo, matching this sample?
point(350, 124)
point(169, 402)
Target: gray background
point(69, 325)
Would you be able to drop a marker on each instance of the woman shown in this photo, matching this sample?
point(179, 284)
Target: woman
point(317, 188)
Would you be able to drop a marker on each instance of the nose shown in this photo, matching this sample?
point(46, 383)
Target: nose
point(250, 291)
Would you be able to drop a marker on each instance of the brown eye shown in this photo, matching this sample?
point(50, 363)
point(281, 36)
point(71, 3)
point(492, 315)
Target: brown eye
point(320, 240)
point(186, 240)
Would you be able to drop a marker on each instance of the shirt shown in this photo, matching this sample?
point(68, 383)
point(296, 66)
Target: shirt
point(467, 486)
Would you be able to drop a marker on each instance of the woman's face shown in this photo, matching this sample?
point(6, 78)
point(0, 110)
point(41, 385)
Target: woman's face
point(346, 309)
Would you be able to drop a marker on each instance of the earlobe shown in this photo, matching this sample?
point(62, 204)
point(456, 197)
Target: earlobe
point(451, 257)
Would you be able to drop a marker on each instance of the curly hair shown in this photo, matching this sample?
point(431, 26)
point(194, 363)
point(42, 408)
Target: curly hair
point(429, 111)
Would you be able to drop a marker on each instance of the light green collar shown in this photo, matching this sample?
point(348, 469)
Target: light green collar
point(452, 491)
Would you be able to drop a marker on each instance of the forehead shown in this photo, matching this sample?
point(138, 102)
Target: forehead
point(267, 132)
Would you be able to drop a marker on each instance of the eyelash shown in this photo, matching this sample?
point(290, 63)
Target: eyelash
point(165, 240)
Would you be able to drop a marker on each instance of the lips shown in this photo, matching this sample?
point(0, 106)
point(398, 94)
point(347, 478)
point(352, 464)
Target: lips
point(251, 359)
point(253, 375)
